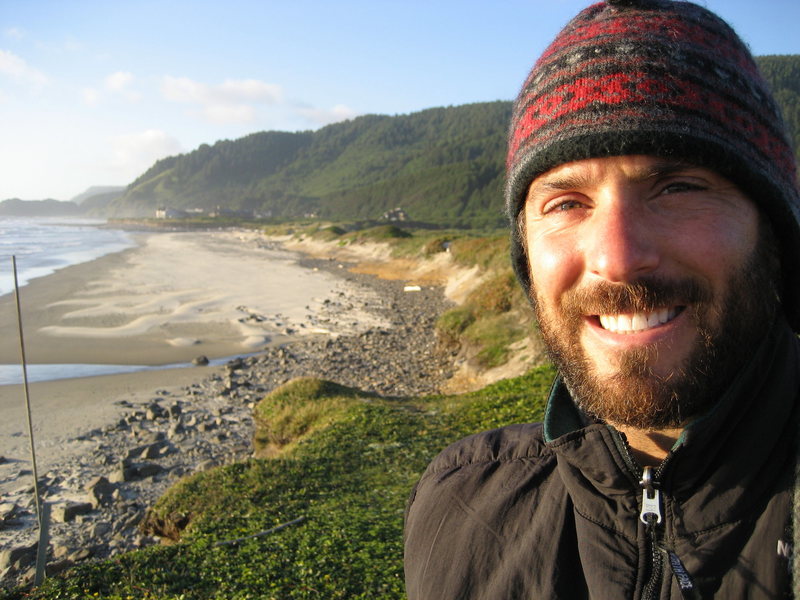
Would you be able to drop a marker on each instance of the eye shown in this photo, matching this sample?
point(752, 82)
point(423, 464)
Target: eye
point(678, 187)
point(561, 205)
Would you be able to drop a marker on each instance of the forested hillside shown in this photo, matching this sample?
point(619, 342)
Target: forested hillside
point(441, 165)
point(783, 72)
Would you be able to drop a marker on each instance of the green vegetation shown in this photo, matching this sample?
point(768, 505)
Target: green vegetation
point(442, 165)
point(348, 474)
point(783, 73)
point(494, 316)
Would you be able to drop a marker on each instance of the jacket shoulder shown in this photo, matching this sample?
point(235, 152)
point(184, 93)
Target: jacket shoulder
point(503, 445)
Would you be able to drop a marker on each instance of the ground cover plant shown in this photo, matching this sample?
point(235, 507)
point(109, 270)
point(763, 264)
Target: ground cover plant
point(345, 469)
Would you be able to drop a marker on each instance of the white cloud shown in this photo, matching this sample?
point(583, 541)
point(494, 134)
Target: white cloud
point(249, 90)
point(15, 33)
point(323, 116)
point(91, 96)
point(233, 101)
point(19, 70)
point(133, 153)
point(117, 82)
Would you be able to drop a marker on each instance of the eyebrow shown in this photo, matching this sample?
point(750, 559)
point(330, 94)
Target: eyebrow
point(571, 181)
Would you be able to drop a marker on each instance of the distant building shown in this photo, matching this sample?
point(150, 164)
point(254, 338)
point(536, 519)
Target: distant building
point(396, 214)
point(170, 213)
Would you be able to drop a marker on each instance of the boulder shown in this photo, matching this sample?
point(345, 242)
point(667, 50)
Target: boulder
point(18, 557)
point(150, 451)
point(64, 513)
point(100, 492)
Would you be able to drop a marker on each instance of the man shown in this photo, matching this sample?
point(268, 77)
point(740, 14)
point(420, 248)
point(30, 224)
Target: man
point(653, 198)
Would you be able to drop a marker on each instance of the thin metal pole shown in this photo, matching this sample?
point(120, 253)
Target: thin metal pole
point(27, 394)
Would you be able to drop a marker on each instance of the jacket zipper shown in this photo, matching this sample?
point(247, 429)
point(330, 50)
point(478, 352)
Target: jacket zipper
point(651, 514)
point(652, 518)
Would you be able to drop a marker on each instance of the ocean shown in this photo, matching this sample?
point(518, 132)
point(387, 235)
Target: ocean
point(42, 245)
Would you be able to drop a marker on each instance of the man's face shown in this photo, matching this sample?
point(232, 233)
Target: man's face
point(651, 284)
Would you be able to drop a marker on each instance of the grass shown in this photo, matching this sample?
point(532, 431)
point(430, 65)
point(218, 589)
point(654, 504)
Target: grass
point(349, 474)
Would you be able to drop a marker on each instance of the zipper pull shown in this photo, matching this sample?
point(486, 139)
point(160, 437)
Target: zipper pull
point(651, 498)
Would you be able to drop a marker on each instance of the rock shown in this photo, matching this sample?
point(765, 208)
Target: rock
point(100, 529)
point(100, 491)
point(132, 471)
point(64, 513)
point(124, 472)
point(200, 361)
point(235, 364)
point(206, 426)
point(7, 511)
point(176, 430)
point(148, 469)
point(81, 554)
point(149, 451)
point(58, 566)
point(131, 521)
point(18, 557)
point(154, 411)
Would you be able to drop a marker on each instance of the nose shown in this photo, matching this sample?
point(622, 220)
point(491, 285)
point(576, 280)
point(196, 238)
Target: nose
point(619, 244)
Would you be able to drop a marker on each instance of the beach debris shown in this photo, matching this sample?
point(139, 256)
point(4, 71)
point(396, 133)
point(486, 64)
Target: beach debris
point(412, 288)
point(200, 361)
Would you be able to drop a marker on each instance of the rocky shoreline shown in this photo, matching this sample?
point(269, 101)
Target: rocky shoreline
point(98, 502)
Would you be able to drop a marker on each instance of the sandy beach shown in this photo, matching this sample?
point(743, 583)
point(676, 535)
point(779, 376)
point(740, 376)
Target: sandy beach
point(176, 296)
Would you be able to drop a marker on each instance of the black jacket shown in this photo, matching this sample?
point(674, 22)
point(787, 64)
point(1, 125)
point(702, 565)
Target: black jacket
point(553, 510)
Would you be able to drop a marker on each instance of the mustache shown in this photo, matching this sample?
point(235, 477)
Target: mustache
point(642, 295)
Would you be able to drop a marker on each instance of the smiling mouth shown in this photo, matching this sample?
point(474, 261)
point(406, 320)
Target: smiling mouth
point(640, 321)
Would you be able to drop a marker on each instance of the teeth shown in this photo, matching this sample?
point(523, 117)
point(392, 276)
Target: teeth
point(637, 321)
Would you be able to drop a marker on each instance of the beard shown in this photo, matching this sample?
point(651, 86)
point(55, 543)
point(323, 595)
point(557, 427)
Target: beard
point(729, 326)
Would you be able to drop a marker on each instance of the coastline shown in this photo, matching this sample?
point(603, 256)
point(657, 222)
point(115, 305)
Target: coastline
point(174, 297)
point(379, 338)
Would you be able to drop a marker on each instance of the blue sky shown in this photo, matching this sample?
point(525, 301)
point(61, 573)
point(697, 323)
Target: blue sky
point(93, 92)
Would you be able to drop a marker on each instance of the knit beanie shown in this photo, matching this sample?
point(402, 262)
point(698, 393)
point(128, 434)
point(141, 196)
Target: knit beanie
point(663, 78)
